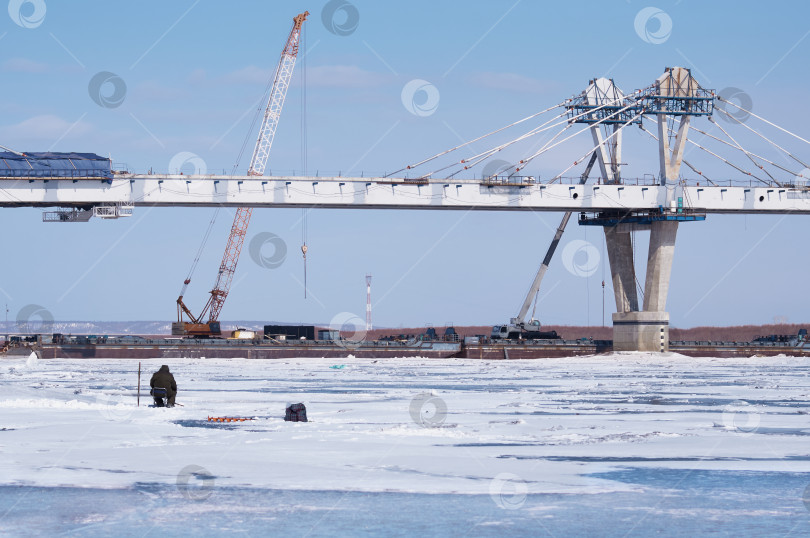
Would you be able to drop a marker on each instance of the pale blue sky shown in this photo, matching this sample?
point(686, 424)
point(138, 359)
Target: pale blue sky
point(193, 70)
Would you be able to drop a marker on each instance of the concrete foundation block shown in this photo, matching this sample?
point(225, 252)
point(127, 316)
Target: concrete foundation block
point(641, 331)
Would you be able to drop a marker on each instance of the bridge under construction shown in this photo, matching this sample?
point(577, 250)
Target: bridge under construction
point(592, 187)
point(79, 199)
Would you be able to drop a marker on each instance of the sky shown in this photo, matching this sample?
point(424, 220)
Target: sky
point(145, 82)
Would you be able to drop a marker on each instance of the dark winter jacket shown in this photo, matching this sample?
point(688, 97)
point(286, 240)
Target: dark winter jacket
point(163, 378)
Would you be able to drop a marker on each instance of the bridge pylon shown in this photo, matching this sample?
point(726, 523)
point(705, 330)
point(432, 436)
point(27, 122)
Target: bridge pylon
point(645, 326)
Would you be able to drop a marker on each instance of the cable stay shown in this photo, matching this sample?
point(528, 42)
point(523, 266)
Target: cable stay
point(17, 153)
point(737, 146)
point(747, 173)
point(771, 142)
point(537, 130)
point(749, 154)
point(590, 126)
point(763, 119)
point(687, 163)
point(593, 149)
point(754, 154)
point(410, 166)
point(488, 153)
point(484, 156)
point(548, 146)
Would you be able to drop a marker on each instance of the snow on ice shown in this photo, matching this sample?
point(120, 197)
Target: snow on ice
point(522, 444)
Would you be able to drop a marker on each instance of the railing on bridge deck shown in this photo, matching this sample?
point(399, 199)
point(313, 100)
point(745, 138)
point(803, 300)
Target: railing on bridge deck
point(648, 180)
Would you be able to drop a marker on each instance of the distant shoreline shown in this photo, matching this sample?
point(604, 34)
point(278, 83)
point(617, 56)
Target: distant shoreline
point(570, 332)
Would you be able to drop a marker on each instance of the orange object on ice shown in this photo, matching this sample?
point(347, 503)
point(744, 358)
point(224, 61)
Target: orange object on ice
point(228, 419)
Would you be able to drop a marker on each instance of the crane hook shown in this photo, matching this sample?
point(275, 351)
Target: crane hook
point(304, 252)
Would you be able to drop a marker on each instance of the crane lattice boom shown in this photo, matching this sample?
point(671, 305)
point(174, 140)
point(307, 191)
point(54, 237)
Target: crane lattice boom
point(271, 115)
point(258, 163)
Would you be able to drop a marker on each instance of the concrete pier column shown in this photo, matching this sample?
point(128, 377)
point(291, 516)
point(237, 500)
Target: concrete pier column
point(659, 265)
point(641, 331)
point(646, 330)
point(622, 270)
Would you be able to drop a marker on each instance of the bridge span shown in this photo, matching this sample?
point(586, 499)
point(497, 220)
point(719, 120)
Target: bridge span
point(621, 206)
point(116, 197)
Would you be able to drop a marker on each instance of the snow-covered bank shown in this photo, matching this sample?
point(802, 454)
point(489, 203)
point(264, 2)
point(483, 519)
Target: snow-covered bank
point(421, 426)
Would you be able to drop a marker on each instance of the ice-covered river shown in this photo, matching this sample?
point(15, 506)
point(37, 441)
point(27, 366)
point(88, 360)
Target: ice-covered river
point(626, 444)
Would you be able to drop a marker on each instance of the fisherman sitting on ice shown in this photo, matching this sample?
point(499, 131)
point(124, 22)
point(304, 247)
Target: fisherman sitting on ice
point(163, 386)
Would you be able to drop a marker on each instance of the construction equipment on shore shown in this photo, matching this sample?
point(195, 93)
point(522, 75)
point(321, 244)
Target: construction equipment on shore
point(196, 326)
point(518, 328)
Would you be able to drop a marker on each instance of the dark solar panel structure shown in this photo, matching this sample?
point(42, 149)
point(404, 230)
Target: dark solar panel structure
point(54, 165)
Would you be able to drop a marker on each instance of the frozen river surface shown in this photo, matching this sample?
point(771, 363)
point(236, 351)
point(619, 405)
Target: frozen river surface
point(619, 445)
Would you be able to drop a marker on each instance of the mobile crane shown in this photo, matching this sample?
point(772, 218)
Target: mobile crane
point(195, 326)
point(518, 328)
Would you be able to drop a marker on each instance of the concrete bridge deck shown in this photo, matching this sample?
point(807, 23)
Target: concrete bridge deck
point(390, 193)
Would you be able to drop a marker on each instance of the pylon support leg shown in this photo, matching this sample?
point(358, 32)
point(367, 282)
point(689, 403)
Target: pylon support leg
point(623, 272)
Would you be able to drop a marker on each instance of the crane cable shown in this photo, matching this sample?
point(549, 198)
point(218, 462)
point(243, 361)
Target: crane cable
point(259, 112)
point(211, 223)
point(200, 251)
point(304, 223)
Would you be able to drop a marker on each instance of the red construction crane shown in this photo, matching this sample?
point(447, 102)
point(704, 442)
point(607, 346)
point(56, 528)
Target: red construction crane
point(196, 326)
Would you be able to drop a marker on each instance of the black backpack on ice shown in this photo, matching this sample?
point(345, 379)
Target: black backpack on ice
point(296, 413)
